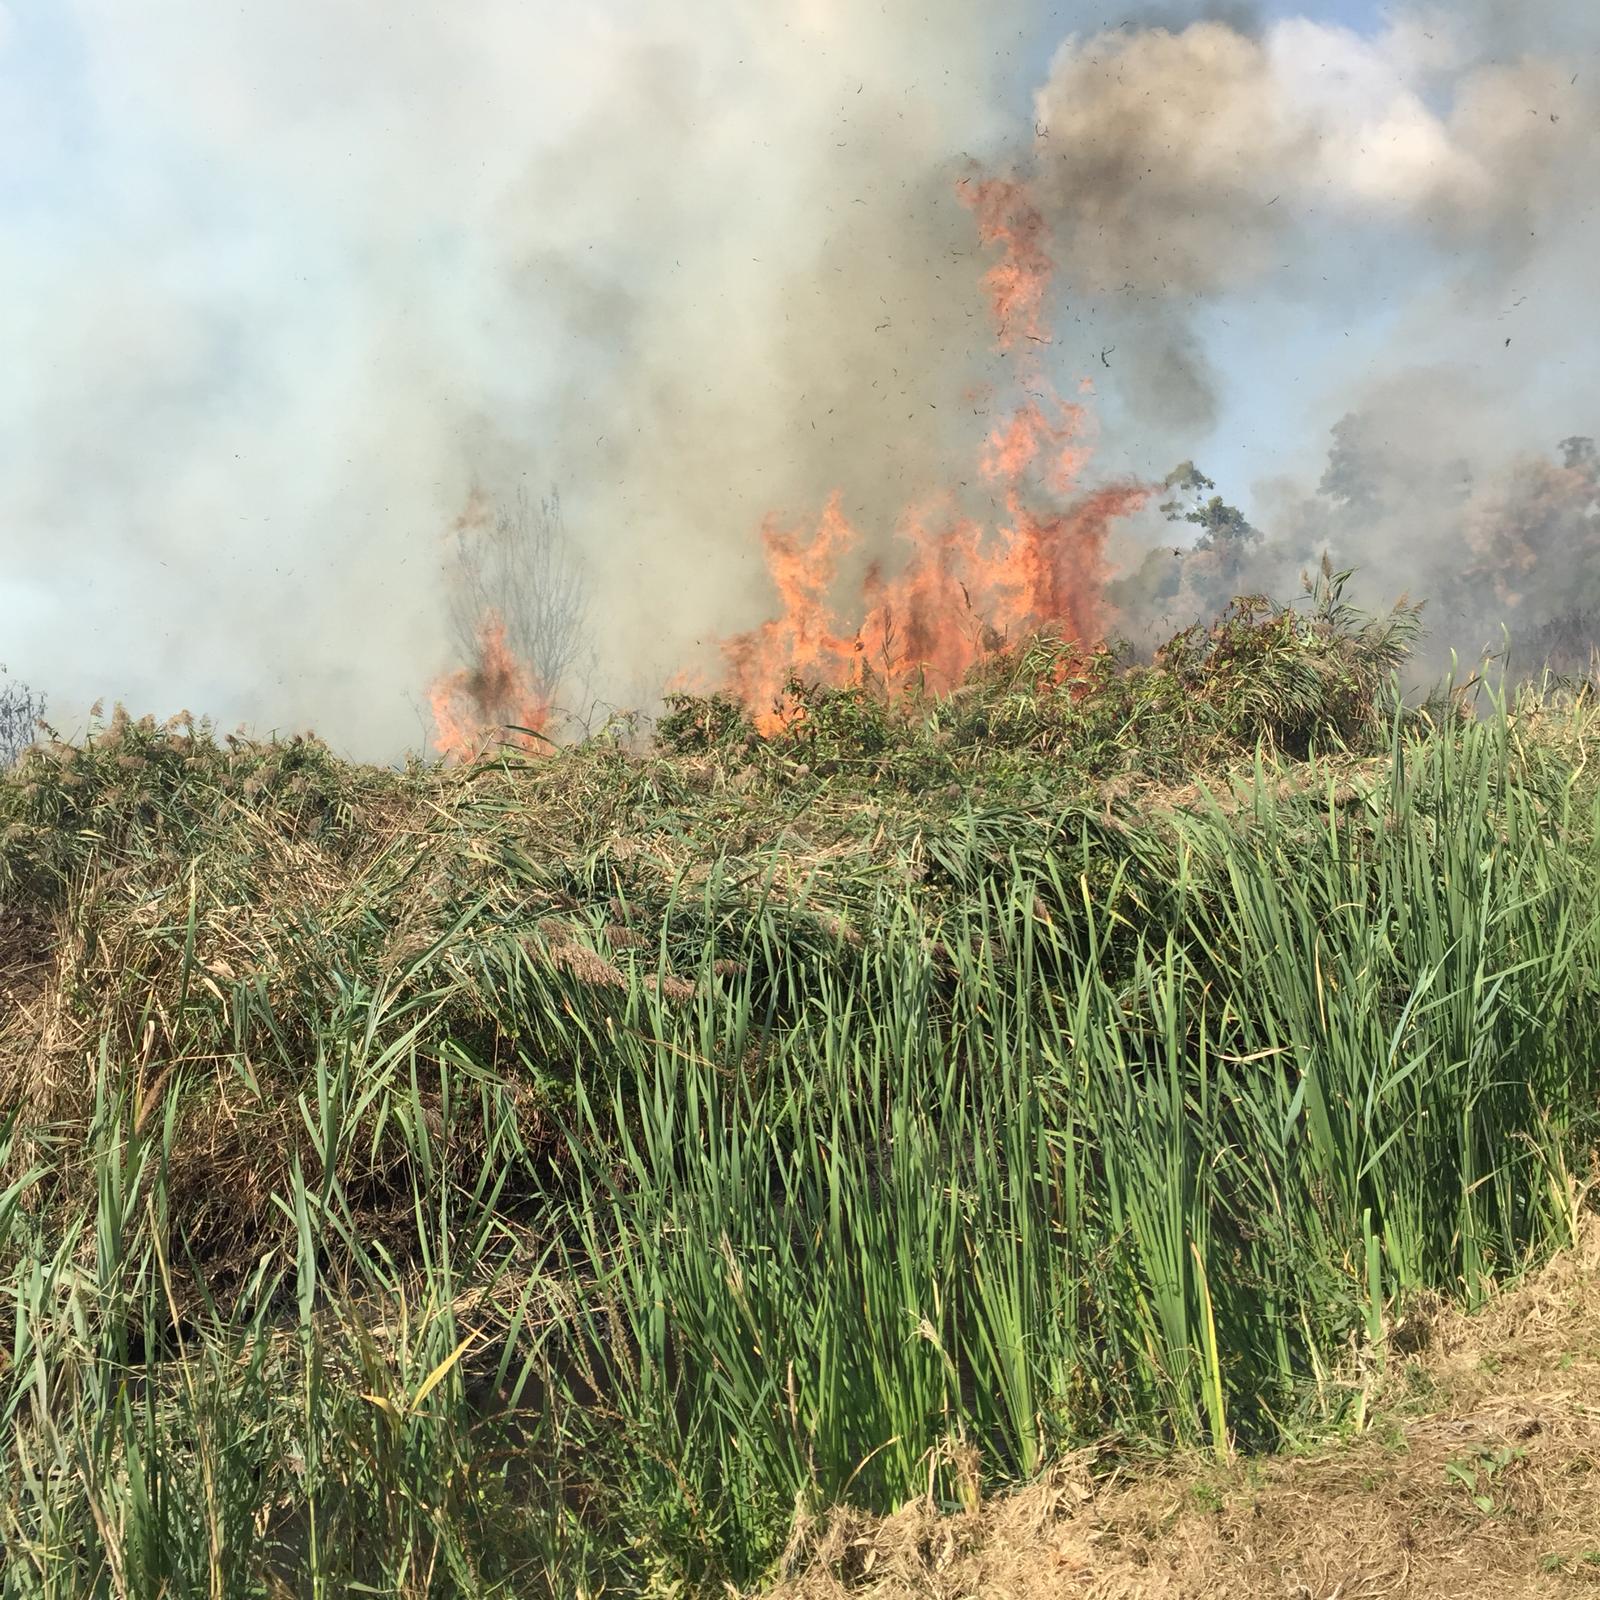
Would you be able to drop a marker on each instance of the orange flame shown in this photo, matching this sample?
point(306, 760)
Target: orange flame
point(964, 589)
point(475, 706)
point(1020, 281)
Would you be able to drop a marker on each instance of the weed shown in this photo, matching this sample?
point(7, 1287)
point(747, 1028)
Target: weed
point(1477, 1474)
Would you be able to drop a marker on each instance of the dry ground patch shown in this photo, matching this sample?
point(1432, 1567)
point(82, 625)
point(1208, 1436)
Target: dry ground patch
point(1478, 1475)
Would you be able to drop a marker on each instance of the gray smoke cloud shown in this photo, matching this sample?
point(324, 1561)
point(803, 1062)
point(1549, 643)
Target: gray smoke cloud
point(1446, 168)
point(1183, 166)
point(1425, 494)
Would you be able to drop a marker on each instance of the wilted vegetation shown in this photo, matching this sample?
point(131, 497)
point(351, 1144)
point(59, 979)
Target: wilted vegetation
point(553, 1175)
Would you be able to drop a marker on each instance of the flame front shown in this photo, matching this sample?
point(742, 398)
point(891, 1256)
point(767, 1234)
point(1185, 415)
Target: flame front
point(965, 588)
point(491, 701)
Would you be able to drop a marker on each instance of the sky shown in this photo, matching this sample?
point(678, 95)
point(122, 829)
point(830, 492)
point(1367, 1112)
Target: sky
point(285, 282)
point(1266, 421)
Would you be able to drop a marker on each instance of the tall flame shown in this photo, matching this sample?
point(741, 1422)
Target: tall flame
point(964, 589)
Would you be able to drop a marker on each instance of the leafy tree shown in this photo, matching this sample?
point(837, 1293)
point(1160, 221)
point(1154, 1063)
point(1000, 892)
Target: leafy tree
point(1198, 579)
point(1223, 528)
point(1372, 472)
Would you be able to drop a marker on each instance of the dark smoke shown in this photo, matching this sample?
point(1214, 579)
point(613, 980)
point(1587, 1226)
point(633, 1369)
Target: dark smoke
point(1238, 15)
point(1445, 169)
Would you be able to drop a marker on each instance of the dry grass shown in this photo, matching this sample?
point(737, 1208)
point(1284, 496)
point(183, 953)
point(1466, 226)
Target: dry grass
point(1479, 1476)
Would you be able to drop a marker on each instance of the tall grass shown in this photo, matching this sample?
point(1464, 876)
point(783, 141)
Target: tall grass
point(1148, 1131)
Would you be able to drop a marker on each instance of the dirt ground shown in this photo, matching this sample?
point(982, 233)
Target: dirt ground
point(1478, 1474)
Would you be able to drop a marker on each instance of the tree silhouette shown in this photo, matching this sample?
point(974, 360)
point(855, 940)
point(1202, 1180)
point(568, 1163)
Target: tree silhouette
point(517, 565)
point(20, 712)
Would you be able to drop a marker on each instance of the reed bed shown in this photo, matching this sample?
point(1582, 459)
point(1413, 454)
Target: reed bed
point(574, 1177)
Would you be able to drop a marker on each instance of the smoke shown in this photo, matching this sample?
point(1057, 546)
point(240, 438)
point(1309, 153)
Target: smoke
point(291, 281)
point(1430, 188)
point(1426, 493)
point(812, 318)
point(1185, 167)
point(327, 269)
point(1239, 15)
point(1425, 496)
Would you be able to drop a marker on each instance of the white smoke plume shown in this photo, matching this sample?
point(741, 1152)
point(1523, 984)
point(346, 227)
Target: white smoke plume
point(288, 282)
point(333, 264)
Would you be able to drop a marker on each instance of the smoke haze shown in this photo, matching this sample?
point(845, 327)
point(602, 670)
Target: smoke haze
point(287, 284)
point(1443, 169)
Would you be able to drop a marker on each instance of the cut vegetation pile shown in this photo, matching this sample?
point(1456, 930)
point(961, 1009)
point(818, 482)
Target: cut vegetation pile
point(578, 1174)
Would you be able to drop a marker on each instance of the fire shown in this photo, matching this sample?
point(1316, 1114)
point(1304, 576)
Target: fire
point(1019, 282)
point(965, 588)
point(1032, 434)
point(491, 701)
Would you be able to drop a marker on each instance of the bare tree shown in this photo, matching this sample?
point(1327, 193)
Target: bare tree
point(21, 711)
point(519, 566)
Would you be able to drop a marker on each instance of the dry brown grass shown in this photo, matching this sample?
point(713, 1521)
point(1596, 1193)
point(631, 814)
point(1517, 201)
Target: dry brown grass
point(1512, 1400)
point(287, 902)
